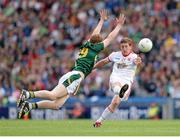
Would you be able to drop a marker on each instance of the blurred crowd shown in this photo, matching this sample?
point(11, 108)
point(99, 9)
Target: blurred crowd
point(39, 41)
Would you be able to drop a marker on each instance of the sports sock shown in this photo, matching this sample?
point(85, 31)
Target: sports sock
point(33, 106)
point(30, 94)
point(105, 114)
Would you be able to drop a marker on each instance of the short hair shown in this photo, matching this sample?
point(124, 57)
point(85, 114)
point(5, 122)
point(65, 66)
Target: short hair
point(127, 40)
point(96, 38)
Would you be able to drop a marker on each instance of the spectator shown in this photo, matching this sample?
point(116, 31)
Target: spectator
point(37, 39)
point(154, 111)
point(78, 111)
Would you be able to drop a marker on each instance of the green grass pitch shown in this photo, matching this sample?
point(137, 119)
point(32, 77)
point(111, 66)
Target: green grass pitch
point(85, 128)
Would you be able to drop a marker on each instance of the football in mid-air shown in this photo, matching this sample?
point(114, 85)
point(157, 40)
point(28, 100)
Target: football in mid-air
point(145, 45)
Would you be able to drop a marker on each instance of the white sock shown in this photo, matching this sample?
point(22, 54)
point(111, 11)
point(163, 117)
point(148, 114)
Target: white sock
point(116, 89)
point(30, 106)
point(104, 115)
point(27, 95)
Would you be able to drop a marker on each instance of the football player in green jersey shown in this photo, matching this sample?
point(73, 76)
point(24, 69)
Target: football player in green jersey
point(70, 82)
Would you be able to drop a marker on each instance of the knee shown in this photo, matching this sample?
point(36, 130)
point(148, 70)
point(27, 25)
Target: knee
point(55, 106)
point(116, 89)
point(52, 97)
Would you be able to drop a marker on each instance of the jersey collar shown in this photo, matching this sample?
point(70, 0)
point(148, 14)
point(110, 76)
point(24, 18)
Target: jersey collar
point(127, 54)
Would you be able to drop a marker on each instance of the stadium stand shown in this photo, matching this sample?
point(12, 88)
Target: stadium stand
point(39, 41)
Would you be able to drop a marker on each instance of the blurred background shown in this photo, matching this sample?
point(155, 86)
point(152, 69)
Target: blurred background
point(39, 41)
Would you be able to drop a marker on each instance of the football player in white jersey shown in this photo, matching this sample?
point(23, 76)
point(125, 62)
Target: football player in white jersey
point(124, 68)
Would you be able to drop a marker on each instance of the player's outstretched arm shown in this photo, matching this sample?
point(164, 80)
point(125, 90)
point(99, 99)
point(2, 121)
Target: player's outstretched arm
point(104, 16)
point(101, 63)
point(119, 21)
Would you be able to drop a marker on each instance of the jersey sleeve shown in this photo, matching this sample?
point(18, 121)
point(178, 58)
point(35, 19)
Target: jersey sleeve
point(111, 57)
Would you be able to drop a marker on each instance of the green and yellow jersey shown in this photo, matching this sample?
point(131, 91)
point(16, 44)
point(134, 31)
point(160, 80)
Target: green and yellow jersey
point(87, 57)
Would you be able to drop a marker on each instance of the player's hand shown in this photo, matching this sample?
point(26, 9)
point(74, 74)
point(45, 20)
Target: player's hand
point(104, 14)
point(138, 61)
point(121, 19)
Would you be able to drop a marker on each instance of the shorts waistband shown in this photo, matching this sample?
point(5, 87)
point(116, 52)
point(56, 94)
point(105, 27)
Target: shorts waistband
point(81, 73)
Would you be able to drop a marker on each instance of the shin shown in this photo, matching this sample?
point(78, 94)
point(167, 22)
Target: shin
point(110, 109)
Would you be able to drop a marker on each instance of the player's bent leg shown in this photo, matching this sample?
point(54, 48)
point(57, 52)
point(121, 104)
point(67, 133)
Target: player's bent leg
point(114, 103)
point(119, 88)
point(56, 104)
point(26, 107)
point(108, 111)
point(25, 95)
point(68, 83)
point(57, 92)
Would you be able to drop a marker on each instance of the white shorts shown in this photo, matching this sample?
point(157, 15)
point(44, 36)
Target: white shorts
point(71, 81)
point(114, 79)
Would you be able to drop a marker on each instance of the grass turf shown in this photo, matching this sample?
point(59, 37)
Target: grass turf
point(85, 128)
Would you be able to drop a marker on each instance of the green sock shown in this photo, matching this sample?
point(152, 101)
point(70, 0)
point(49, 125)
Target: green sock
point(34, 105)
point(32, 95)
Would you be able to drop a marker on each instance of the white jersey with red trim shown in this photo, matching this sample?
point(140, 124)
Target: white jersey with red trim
point(124, 66)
